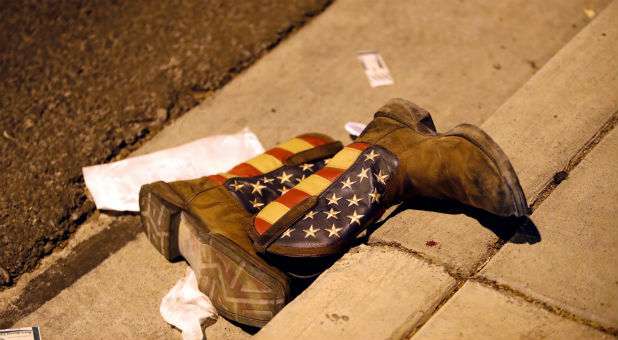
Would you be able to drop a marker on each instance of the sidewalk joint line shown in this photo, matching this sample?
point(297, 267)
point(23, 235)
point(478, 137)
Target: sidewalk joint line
point(498, 243)
point(544, 305)
point(607, 127)
point(428, 316)
point(460, 280)
point(417, 254)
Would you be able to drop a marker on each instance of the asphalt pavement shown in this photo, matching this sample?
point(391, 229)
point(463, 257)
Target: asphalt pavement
point(85, 82)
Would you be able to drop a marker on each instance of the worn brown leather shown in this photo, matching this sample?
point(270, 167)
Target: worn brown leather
point(205, 220)
point(221, 209)
point(463, 164)
point(218, 212)
point(445, 166)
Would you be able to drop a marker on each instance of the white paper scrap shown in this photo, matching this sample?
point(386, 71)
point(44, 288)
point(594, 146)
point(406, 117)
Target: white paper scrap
point(116, 185)
point(354, 128)
point(375, 68)
point(29, 333)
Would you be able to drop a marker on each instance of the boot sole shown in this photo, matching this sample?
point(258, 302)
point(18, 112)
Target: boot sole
point(484, 142)
point(239, 286)
point(160, 214)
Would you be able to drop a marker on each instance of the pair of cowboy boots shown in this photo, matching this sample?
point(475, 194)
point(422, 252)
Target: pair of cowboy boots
point(237, 241)
point(205, 221)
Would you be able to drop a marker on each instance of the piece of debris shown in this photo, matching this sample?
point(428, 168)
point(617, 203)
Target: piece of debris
point(590, 12)
point(27, 333)
point(9, 137)
point(532, 64)
point(431, 243)
point(375, 68)
point(560, 176)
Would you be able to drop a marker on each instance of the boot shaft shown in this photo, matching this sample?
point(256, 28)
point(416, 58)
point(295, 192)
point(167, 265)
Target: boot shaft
point(259, 180)
point(320, 215)
point(398, 126)
point(225, 203)
point(399, 155)
point(463, 164)
point(205, 220)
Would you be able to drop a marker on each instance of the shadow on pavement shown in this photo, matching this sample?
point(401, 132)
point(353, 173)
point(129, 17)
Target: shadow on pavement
point(511, 229)
point(85, 257)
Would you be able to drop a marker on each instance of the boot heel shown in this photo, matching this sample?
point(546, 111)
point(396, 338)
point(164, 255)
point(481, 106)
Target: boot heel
point(160, 215)
point(409, 114)
point(242, 287)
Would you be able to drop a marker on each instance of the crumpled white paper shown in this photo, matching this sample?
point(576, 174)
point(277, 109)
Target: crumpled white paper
point(116, 185)
point(187, 308)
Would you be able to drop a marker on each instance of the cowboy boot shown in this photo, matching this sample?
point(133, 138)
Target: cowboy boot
point(398, 156)
point(205, 220)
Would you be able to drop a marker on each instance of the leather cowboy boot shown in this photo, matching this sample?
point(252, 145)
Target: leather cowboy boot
point(398, 156)
point(205, 220)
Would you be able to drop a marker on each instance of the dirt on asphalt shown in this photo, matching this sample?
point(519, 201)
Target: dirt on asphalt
point(82, 82)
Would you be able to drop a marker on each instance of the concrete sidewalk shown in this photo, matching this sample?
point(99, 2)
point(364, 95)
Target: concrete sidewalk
point(464, 62)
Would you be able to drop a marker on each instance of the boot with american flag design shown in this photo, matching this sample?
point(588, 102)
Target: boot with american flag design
point(399, 155)
point(205, 220)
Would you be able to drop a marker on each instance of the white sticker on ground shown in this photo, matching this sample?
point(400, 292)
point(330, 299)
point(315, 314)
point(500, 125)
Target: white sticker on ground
point(29, 333)
point(355, 129)
point(375, 69)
